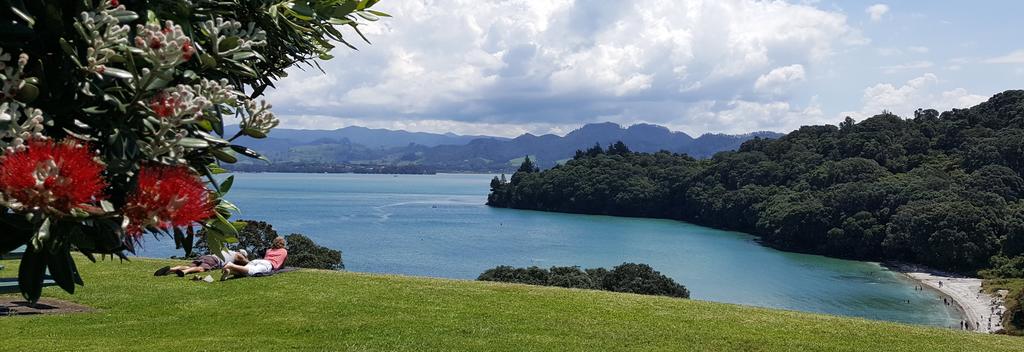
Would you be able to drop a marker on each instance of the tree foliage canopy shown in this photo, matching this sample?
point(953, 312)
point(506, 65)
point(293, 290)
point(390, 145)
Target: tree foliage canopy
point(943, 190)
point(256, 237)
point(112, 116)
point(627, 277)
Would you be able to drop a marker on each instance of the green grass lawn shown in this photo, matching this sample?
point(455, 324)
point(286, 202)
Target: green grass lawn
point(320, 310)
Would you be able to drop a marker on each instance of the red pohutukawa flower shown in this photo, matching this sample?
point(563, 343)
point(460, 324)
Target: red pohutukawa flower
point(162, 104)
point(167, 197)
point(52, 176)
point(187, 50)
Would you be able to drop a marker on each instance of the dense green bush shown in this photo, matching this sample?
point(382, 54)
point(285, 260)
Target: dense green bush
point(628, 278)
point(943, 190)
point(256, 238)
point(642, 279)
point(304, 253)
point(530, 276)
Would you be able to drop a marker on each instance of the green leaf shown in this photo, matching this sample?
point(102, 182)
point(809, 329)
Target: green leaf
point(117, 73)
point(179, 237)
point(360, 33)
point(62, 268)
point(368, 16)
point(216, 170)
point(30, 274)
point(214, 241)
point(339, 21)
point(24, 16)
point(93, 110)
point(224, 156)
point(218, 126)
point(228, 43)
point(42, 235)
point(242, 55)
point(207, 60)
point(226, 185)
point(218, 230)
point(190, 142)
point(345, 8)
point(378, 13)
point(362, 5)
point(183, 240)
point(151, 18)
point(302, 11)
point(242, 68)
point(124, 16)
point(17, 232)
point(226, 207)
point(107, 206)
point(248, 152)
point(79, 213)
point(215, 140)
point(225, 226)
point(28, 93)
point(205, 125)
point(190, 239)
point(68, 49)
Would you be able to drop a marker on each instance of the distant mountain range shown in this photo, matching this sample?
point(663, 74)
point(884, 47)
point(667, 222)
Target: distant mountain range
point(373, 138)
point(361, 149)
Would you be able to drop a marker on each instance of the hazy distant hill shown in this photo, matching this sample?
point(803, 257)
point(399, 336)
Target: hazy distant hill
point(549, 149)
point(374, 138)
point(451, 152)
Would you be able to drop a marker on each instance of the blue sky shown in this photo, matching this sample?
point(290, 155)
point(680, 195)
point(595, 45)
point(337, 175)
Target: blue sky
point(733, 66)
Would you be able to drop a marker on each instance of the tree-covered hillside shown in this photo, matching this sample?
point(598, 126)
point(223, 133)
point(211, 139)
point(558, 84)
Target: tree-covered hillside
point(938, 189)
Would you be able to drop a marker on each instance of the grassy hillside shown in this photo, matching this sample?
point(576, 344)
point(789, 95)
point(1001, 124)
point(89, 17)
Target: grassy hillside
point(349, 311)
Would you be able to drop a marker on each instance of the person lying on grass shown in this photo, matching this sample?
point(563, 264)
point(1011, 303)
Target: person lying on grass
point(201, 264)
point(272, 260)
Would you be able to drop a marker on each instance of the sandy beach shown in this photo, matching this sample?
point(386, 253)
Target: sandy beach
point(982, 311)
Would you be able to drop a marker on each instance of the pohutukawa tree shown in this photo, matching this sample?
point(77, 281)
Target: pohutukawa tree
point(112, 116)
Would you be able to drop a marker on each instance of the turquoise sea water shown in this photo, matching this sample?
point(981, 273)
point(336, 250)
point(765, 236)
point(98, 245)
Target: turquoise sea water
point(438, 225)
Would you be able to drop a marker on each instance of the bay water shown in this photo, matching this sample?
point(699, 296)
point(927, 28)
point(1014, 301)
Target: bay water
point(438, 226)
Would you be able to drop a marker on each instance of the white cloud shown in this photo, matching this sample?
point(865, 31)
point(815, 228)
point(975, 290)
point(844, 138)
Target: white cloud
point(739, 116)
point(889, 51)
point(916, 65)
point(1016, 57)
point(877, 11)
point(565, 62)
point(920, 92)
point(780, 79)
point(919, 49)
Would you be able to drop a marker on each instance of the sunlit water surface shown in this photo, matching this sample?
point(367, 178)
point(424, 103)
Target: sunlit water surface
point(438, 225)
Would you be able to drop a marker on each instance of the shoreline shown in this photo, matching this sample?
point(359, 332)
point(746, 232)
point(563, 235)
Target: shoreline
point(981, 311)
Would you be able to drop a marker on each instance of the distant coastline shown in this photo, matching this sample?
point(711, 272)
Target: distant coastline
point(333, 168)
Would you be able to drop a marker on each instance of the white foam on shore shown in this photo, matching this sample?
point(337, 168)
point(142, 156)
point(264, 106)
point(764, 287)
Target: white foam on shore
point(982, 311)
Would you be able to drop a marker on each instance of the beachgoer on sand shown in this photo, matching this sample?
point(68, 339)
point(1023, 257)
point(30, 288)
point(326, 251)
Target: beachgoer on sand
point(272, 260)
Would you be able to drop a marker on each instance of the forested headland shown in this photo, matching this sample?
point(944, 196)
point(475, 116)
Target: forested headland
point(940, 189)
